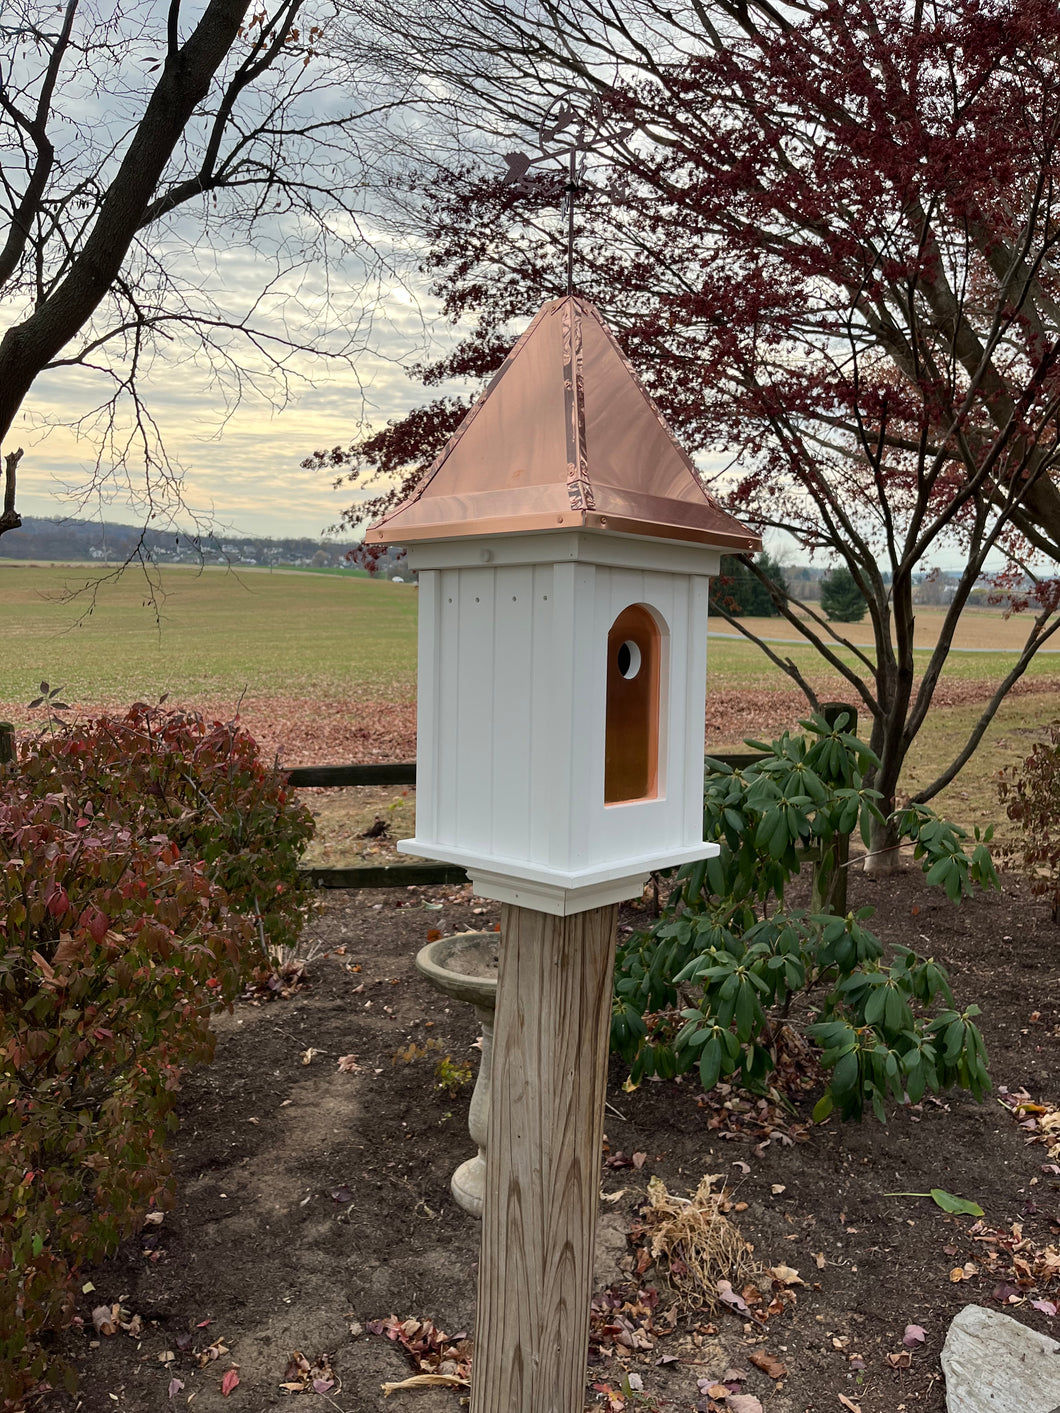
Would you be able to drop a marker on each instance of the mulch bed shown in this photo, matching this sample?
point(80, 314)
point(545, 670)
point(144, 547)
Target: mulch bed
point(313, 1201)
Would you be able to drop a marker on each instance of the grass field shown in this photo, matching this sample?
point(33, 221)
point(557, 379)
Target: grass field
point(323, 648)
point(210, 634)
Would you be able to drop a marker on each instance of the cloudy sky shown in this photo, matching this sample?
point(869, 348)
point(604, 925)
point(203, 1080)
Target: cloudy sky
point(240, 459)
point(318, 269)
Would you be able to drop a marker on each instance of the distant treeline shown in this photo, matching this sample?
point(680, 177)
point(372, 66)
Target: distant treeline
point(40, 538)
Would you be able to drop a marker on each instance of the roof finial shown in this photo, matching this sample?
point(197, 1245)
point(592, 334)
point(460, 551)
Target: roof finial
point(573, 125)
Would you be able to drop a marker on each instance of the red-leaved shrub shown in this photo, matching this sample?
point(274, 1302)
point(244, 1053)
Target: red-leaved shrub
point(202, 785)
point(144, 864)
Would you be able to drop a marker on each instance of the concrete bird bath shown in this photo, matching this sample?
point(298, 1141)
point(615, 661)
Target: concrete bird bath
point(464, 967)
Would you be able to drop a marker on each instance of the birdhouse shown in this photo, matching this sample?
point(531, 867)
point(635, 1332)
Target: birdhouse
point(564, 546)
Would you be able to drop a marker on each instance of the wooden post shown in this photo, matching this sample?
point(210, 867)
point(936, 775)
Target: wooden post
point(7, 743)
point(543, 1175)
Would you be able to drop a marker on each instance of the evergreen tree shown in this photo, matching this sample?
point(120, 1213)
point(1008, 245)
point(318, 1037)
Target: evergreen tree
point(841, 598)
point(740, 592)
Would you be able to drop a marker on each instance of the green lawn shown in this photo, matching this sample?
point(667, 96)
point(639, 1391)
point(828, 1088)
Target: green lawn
point(204, 633)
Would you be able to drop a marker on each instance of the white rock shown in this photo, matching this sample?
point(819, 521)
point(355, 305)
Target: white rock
point(993, 1364)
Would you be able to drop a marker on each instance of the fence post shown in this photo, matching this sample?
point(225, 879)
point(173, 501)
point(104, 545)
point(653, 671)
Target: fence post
point(830, 871)
point(7, 743)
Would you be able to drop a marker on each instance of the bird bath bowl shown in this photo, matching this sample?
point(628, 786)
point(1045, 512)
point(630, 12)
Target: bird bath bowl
point(464, 967)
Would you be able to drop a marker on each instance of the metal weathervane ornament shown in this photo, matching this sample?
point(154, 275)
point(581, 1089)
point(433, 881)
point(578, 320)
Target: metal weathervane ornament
point(574, 125)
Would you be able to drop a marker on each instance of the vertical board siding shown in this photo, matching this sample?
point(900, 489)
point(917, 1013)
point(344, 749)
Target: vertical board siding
point(474, 709)
point(546, 711)
point(427, 705)
point(564, 714)
point(447, 773)
point(585, 746)
point(513, 694)
point(696, 670)
point(510, 747)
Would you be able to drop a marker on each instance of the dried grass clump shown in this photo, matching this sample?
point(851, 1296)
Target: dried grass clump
point(698, 1242)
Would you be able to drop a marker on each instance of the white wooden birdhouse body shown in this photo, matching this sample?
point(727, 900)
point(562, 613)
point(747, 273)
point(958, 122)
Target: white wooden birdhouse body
point(562, 650)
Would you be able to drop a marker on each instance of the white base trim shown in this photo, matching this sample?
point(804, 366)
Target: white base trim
point(549, 898)
point(585, 888)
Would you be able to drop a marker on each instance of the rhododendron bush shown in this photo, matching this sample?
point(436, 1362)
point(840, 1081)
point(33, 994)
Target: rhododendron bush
point(142, 862)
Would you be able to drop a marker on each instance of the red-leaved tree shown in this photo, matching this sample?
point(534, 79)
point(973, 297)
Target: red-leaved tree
point(828, 246)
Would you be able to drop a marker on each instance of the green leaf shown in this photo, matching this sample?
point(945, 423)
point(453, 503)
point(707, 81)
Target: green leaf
point(875, 1005)
point(710, 1064)
point(949, 1203)
point(946, 1200)
point(745, 1003)
point(823, 1108)
point(845, 1074)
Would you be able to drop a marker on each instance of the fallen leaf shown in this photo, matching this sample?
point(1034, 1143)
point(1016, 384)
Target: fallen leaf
point(729, 1297)
point(914, 1334)
point(1047, 1307)
point(901, 1360)
point(229, 1382)
point(960, 1205)
point(309, 1055)
point(849, 1403)
point(104, 1321)
point(819, 1261)
point(348, 1064)
point(639, 1159)
point(786, 1275)
point(175, 1386)
point(768, 1363)
point(743, 1403)
point(777, 1189)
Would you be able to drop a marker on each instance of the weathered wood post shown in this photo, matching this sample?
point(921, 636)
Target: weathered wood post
point(7, 743)
point(564, 546)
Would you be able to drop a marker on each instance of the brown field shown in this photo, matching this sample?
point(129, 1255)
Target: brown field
point(978, 629)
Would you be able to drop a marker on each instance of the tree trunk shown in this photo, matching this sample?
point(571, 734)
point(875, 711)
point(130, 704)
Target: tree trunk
point(883, 856)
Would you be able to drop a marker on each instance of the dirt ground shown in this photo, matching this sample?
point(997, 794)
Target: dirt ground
point(313, 1197)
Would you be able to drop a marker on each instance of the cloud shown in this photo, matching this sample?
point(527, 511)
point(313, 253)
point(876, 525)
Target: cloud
point(238, 454)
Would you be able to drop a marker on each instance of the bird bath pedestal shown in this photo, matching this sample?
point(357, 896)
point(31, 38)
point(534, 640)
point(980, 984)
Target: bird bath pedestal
point(464, 967)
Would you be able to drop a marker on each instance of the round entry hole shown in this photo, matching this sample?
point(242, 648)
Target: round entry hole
point(629, 659)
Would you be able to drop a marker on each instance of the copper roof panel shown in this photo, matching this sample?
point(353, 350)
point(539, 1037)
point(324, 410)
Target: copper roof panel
point(563, 436)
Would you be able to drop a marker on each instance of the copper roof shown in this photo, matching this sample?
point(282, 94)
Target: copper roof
point(565, 437)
